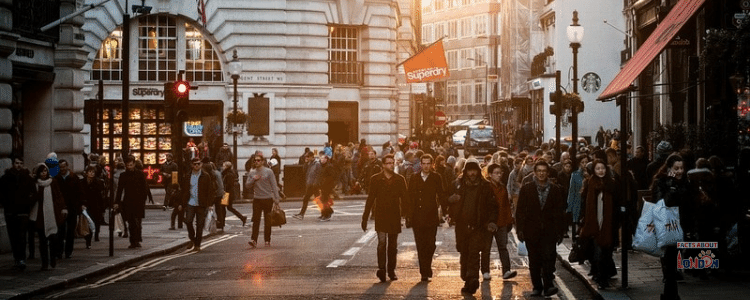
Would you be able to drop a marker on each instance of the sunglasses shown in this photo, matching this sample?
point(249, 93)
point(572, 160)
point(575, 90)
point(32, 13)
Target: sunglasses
point(196, 164)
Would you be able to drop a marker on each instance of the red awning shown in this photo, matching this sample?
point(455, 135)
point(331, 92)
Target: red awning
point(655, 43)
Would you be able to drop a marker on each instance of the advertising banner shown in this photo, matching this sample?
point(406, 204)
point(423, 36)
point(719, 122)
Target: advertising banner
point(427, 65)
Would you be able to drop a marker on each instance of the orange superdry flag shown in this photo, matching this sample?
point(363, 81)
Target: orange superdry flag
point(427, 65)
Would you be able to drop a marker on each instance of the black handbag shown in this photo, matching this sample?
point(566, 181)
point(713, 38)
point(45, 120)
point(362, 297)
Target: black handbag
point(581, 250)
point(277, 216)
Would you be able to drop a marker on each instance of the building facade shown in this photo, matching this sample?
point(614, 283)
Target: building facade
point(326, 67)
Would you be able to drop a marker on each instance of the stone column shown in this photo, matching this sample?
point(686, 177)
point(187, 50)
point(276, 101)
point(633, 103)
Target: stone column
point(7, 46)
point(67, 139)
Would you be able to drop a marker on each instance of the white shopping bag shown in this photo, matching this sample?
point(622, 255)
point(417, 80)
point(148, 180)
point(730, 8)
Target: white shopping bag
point(210, 225)
point(667, 224)
point(522, 251)
point(645, 233)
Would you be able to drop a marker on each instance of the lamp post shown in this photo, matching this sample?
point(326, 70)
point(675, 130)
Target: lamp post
point(486, 74)
point(575, 36)
point(235, 68)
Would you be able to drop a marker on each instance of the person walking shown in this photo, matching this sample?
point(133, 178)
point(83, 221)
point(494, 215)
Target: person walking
point(671, 184)
point(70, 186)
point(169, 169)
point(48, 213)
point(197, 197)
point(262, 182)
point(385, 200)
point(312, 176)
point(132, 191)
point(17, 186)
point(328, 175)
point(426, 196)
point(93, 202)
point(599, 223)
point(540, 223)
point(218, 187)
point(474, 210)
point(232, 186)
point(504, 225)
point(224, 155)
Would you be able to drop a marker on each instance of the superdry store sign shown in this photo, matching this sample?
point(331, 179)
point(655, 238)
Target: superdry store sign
point(427, 65)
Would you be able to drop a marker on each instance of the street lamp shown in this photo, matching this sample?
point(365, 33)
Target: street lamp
point(575, 36)
point(486, 74)
point(235, 68)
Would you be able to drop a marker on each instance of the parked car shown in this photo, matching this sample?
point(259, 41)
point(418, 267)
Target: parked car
point(568, 140)
point(458, 138)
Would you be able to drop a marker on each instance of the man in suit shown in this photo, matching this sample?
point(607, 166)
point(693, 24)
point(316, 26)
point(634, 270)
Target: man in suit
point(426, 195)
point(385, 199)
point(132, 191)
point(475, 211)
point(540, 223)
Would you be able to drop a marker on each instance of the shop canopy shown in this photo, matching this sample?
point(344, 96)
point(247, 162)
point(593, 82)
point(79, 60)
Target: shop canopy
point(660, 38)
point(472, 122)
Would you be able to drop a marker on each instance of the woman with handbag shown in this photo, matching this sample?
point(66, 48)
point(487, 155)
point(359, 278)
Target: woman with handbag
point(599, 221)
point(671, 184)
point(232, 186)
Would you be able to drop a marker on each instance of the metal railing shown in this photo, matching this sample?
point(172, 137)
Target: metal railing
point(345, 72)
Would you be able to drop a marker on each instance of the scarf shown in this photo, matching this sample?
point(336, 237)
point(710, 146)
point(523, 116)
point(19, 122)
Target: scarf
point(598, 212)
point(543, 191)
point(48, 209)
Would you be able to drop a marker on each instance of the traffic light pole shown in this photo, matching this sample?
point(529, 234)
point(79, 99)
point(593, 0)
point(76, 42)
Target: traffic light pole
point(558, 114)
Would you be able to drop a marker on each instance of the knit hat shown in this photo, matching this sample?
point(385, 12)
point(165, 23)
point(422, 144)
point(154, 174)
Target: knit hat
point(472, 163)
point(451, 161)
point(664, 147)
point(52, 164)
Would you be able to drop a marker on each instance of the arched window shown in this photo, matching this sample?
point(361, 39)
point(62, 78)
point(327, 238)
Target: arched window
point(108, 62)
point(159, 44)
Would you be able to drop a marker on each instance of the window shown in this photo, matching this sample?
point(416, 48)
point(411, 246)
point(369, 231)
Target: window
point(452, 92)
point(439, 30)
point(201, 62)
point(343, 64)
point(452, 59)
point(439, 5)
point(479, 92)
point(466, 87)
point(481, 25)
point(427, 34)
point(452, 29)
point(480, 56)
point(107, 64)
point(466, 2)
point(157, 48)
point(466, 28)
point(463, 59)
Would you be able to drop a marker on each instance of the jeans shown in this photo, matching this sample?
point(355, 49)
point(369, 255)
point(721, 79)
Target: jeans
point(310, 191)
point(542, 256)
point(501, 238)
point(49, 246)
point(221, 214)
point(179, 215)
point(387, 250)
point(469, 242)
point(197, 213)
point(134, 228)
point(261, 206)
point(66, 234)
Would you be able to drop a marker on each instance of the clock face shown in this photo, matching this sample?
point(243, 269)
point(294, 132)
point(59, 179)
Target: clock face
point(591, 82)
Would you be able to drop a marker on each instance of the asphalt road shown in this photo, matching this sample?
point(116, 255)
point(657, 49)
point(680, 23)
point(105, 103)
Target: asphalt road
point(306, 260)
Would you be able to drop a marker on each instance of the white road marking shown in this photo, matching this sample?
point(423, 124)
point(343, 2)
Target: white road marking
point(437, 243)
point(336, 263)
point(132, 270)
point(351, 251)
point(366, 238)
point(564, 289)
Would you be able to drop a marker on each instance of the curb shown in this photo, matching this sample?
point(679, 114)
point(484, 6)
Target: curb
point(580, 276)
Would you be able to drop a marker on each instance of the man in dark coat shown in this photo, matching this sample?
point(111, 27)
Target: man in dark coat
point(168, 169)
point(540, 223)
point(475, 211)
point(17, 186)
point(389, 195)
point(72, 191)
point(197, 196)
point(133, 202)
point(426, 195)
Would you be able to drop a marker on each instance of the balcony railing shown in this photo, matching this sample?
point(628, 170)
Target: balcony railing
point(345, 72)
point(30, 15)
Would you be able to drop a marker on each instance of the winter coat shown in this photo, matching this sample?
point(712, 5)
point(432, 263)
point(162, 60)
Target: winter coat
point(389, 198)
point(504, 212)
point(425, 197)
point(58, 204)
point(93, 198)
point(677, 193)
point(231, 184)
point(206, 192)
point(605, 235)
point(16, 187)
point(70, 187)
point(133, 201)
point(486, 205)
point(537, 223)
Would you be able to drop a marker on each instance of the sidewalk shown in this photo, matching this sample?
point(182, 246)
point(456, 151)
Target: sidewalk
point(87, 263)
point(645, 279)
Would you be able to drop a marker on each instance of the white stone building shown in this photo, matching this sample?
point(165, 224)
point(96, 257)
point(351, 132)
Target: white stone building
point(328, 69)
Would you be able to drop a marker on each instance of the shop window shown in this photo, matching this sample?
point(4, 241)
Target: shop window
point(343, 52)
point(108, 62)
point(157, 48)
point(201, 61)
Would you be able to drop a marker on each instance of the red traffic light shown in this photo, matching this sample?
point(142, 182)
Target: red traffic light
point(181, 88)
